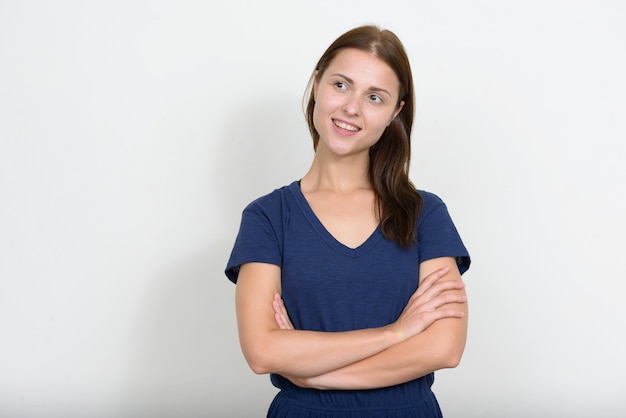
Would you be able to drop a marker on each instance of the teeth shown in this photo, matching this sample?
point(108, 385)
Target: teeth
point(346, 126)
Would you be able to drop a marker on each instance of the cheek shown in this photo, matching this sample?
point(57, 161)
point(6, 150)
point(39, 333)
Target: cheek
point(382, 121)
point(324, 106)
point(317, 117)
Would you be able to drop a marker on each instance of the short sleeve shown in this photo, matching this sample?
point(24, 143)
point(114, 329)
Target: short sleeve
point(437, 236)
point(257, 240)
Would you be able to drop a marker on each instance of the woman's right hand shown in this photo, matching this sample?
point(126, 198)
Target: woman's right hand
point(427, 304)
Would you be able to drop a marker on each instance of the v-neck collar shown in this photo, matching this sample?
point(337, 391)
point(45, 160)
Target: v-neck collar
point(315, 222)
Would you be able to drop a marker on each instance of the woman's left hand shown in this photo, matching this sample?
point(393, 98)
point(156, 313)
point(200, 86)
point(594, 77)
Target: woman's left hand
point(280, 315)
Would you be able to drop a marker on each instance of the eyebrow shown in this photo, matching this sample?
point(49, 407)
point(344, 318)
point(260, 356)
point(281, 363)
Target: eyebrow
point(349, 80)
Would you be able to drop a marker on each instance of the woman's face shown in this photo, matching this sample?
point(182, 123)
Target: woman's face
point(355, 100)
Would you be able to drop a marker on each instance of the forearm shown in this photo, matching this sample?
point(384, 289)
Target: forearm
point(304, 354)
point(441, 346)
point(308, 353)
point(269, 349)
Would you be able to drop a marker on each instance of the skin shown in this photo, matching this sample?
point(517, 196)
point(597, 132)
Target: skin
point(358, 92)
point(356, 99)
point(439, 346)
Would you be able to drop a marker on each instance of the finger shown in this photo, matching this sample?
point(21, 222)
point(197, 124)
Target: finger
point(418, 307)
point(436, 289)
point(432, 278)
point(276, 305)
point(424, 319)
point(280, 312)
point(280, 307)
point(277, 297)
point(437, 314)
point(442, 286)
point(434, 316)
point(280, 321)
point(442, 300)
point(432, 301)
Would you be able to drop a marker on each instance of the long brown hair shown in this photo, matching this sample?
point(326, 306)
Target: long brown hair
point(398, 202)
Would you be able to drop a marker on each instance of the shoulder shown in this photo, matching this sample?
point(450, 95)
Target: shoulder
point(430, 202)
point(437, 235)
point(434, 210)
point(272, 204)
point(429, 197)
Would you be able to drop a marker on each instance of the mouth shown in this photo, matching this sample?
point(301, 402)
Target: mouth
point(345, 126)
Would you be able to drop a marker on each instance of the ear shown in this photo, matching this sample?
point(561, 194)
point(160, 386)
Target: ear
point(397, 112)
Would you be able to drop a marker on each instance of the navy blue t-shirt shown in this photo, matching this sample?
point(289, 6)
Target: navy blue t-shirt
point(327, 286)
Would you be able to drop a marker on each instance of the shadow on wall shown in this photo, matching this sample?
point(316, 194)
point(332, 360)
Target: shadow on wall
point(187, 360)
point(263, 147)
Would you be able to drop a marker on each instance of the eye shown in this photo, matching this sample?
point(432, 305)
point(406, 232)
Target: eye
point(341, 85)
point(375, 98)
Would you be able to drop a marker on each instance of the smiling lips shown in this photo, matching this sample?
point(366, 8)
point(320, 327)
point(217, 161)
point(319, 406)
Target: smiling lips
point(345, 126)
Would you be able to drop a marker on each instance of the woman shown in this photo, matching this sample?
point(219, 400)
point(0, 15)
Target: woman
point(327, 268)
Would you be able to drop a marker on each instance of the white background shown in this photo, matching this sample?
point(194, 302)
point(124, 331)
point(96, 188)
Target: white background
point(133, 133)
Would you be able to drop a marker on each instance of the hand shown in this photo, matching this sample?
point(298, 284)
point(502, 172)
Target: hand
point(280, 314)
point(303, 382)
point(426, 305)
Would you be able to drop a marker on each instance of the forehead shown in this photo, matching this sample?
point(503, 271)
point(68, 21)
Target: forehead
point(363, 67)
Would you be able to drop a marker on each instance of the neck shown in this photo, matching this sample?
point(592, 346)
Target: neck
point(344, 174)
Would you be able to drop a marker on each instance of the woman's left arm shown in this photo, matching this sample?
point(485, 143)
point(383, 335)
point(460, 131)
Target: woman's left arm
point(439, 346)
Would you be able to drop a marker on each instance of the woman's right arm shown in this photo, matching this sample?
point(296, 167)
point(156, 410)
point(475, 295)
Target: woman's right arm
point(299, 353)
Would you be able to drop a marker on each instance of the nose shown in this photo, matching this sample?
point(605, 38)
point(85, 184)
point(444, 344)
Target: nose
point(352, 106)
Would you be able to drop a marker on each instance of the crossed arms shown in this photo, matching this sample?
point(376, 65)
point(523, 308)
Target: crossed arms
point(429, 335)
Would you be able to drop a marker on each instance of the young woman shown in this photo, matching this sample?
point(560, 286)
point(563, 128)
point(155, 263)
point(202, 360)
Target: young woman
point(349, 288)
